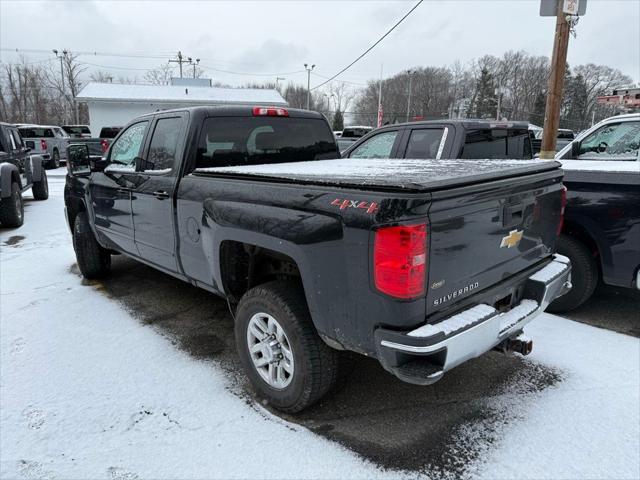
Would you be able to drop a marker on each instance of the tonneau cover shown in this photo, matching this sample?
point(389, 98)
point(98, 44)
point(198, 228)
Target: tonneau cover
point(405, 174)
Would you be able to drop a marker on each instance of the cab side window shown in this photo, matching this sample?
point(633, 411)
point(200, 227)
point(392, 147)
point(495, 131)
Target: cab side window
point(164, 144)
point(424, 143)
point(616, 141)
point(378, 146)
point(125, 150)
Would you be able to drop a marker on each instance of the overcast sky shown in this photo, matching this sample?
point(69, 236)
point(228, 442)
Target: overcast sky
point(277, 37)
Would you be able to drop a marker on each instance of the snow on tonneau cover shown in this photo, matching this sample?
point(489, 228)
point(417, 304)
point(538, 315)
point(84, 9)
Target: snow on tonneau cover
point(406, 174)
point(488, 219)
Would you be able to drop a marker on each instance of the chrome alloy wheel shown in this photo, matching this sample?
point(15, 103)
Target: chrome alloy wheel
point(270, 350)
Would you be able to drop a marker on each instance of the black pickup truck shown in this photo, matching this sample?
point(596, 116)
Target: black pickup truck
point(436, 139)
point(601, 232)
point(19, 172)
point(421, 264)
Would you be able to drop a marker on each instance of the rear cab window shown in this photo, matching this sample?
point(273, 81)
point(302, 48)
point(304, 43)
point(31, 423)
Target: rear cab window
point(424, 143)
point(497, 144)
point(35, 132)
point(232, 141)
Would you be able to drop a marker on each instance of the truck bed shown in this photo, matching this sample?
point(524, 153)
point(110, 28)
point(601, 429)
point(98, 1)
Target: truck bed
point(387, 174)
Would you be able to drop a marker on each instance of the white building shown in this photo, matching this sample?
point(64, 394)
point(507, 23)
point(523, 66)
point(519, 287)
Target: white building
point(113, 104)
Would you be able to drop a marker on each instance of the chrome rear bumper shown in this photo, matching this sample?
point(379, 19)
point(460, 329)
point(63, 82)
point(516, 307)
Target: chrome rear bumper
point(424, 354)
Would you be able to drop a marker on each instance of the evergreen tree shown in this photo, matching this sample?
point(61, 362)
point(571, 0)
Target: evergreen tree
point(485, 104)
point(338, 121)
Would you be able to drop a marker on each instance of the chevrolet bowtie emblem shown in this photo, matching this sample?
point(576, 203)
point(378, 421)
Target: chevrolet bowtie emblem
point(511, 240)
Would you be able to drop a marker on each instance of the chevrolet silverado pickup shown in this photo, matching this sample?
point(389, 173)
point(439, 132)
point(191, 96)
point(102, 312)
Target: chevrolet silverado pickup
point(420, 264)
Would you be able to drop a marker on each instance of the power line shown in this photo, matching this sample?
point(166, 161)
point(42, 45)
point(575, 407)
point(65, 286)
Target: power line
point(250, 74)
point(372, 46)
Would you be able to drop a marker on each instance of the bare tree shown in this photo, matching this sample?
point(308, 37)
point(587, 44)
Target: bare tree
point(101, 76)
point(161, 75)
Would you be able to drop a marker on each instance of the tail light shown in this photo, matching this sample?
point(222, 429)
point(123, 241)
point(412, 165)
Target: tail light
point(270, 112)
point(43, 145)
point(563, 204)
point(400, 260)
point(104, 144)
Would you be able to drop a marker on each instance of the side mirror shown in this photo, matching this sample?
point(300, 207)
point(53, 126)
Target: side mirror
point(98, 164)
point(78, 160)
point(142, 164)
point(575, 149)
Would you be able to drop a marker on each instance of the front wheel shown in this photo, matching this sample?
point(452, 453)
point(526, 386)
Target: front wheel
point(286, 361)
point(40, 189)
point(93, 260)
point(12, 208)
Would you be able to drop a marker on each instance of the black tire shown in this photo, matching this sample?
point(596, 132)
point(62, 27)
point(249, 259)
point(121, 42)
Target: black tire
point(12, 208)
point(584, 274)
point(317, 366)
point(93, 260)
point(54, 161)
point(40, 189)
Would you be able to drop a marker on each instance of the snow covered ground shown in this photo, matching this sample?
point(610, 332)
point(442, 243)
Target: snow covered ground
point(88, 391)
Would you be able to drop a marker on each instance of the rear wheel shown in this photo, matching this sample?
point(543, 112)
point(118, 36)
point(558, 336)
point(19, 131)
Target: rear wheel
point(12, 208)
point(93, 260)
point(40, 189)
point(584, 274)
point(286, 361)
point(54, 162)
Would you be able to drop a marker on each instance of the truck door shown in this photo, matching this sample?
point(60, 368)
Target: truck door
point(111, 189)
point(152, 196)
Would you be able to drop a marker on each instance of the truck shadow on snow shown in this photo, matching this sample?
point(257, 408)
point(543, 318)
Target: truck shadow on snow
point(439, 429)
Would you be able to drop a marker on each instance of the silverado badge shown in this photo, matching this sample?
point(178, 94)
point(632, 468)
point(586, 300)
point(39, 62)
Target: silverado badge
point(511, 240)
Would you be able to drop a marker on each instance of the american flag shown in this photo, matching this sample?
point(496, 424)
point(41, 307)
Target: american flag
point(380, 116)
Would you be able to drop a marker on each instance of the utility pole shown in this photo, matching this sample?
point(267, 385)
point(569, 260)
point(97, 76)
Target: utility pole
point(379, 123)
point(306, 66)
point(194, 66)
point(409, 96)
point(499, 93)
point(277, 84)
point(179, 60)
point(556, 85)
point(64, 109)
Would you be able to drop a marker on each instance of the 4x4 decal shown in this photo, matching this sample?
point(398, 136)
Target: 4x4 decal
point(370, 207)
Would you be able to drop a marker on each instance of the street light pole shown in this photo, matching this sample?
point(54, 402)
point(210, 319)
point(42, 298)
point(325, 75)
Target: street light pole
point(409, 96)
point(309, 69)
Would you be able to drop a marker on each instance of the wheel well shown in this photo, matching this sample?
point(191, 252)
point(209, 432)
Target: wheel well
point(243, 266)
point(15, 177)
point(74, 207)
point(579, 233)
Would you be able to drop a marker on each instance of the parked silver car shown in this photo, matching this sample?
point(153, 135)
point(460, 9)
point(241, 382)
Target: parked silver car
point(47, 140)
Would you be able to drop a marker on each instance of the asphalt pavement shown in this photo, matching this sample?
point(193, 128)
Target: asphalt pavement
point(391, 423)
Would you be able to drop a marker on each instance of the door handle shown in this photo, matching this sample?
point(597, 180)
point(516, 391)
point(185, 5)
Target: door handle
point(161, 194)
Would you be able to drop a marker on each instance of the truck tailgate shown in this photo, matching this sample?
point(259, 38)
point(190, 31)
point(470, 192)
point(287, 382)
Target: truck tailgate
point(481, 236)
